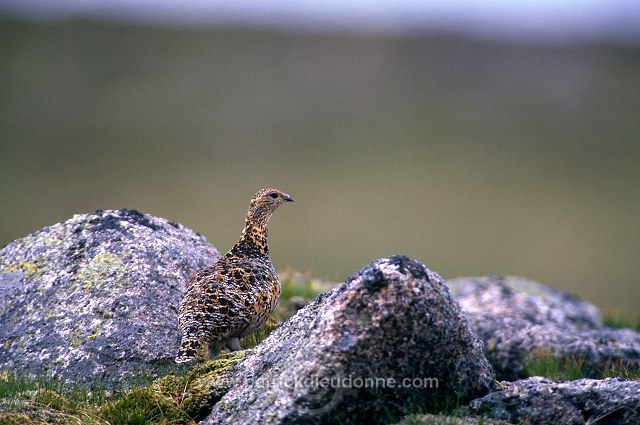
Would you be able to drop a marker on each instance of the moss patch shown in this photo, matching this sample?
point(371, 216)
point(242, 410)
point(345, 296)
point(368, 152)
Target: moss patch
point(76, 339)
point(178, 398)
point(95, 334)
point(181, 398)
point(15, 419)
point(142, 405)
point(208, 382)
point(175, 398)
point(29, 269)
point(101, 266)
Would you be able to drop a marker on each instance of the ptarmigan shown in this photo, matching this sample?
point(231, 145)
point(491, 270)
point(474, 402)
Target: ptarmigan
point(237, 294)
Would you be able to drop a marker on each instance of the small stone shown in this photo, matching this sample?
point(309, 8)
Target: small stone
point(297, 302)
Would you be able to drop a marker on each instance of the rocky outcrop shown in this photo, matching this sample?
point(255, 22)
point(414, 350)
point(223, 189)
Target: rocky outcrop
point(525, 300)
point(94, 299)
point(388, 341)
point(538, 400)
point(518, 319)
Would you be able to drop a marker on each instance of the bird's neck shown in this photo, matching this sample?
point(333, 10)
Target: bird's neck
point(253, 241)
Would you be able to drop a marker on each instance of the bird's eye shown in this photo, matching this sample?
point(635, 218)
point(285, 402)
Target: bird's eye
point(273, 195)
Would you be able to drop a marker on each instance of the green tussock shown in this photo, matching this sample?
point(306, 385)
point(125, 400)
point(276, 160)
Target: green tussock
point(549, 365)
point(183, 397)
point(261, 334)
point(558, 368)
point(545, 363)
point(143, 405)
point(441, 411)
point(298, 289)
point(625, 369)
point(617, 320)
point(295, 284)
point(27, 400)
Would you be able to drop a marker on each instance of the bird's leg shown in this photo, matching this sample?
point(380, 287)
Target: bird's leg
point(213, 348)
point(233, 343)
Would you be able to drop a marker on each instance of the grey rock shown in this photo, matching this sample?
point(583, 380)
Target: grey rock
point(94, 299)
point(538, 400)
point(517, 319)
point(334, 361)
point(441, 419)
point(525, 300)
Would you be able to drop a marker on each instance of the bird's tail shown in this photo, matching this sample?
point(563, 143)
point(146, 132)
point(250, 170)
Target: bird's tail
point(188, 350)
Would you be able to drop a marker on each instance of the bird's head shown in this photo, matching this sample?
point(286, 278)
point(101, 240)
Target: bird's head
point(266, 201)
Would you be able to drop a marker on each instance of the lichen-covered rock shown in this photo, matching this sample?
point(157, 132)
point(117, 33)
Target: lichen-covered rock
point(537, 400)
point(388, 341)
point(524, 300)
point(94, 299)
point(442, 419)
point(518, 319)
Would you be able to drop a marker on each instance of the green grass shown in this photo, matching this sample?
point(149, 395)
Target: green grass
point(557, 368)
point(295, 284)
point(181, 398)
point(623, 369)
point(443, 411)
point(142, 406)
point(39, 399)
point(40, 390)
point(258, 336)
point(618, 320)
point(550, 365)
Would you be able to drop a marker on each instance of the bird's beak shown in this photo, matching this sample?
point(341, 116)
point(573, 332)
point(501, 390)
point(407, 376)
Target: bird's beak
point(287, 198)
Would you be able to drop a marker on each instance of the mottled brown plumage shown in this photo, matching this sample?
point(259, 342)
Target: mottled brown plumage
point(236, 295)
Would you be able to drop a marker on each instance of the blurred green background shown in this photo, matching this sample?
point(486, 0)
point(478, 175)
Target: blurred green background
point(473, 156)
